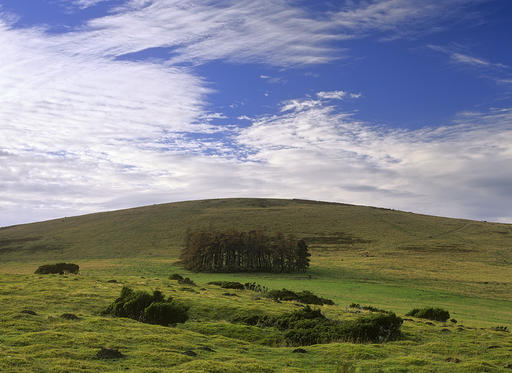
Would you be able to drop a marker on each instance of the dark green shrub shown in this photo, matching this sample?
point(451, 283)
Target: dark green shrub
point(500, 328)
point(182, 280)
point(228, 284)
point(283, 294)
point(366, 329)
point(165, 313)
point(430, 313)
point(309, 326)
point(308, 297)
point(377, 328)
point(305, 297)
point(366, 308)
point(255, 287)
point(59, 268)
point(187, 281)
point(135, 305)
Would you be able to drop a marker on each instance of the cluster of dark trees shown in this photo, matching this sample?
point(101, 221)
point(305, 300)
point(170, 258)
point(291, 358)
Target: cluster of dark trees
point(234, 251)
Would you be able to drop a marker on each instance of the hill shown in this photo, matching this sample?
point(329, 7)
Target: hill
point(159, 230)
point(354, 242)
point(389, 259)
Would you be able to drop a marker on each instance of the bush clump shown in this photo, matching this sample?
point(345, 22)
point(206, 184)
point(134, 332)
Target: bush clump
point(182, 280)
point(305, 297)
point(366, 308)
point(59, 268)
point(228, 284)
point(148, 308)
point(253, 286)
point(430, 313)
point(309, 326)
point(165, 313)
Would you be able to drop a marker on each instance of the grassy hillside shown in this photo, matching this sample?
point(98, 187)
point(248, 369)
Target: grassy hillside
point(356, 242)
point(389, 259)
point(159, 229)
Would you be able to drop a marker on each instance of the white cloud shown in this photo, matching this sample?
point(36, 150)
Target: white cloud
point(465, 59)
point(300, 104)
point(457, 170)
point(82, 4)
point(403, 18)
point(332, 95)
point(273, 32)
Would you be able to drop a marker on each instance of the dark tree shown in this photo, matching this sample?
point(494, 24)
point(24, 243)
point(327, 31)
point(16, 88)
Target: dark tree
point(254, 251)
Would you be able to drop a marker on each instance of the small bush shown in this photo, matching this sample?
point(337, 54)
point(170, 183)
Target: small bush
point(255, 287)
point(228, 284)
point(109, 353)
point(59, 268)
point(305, 297)
point(430, 313)
point(500, 328)
point(138, 305)
point(69, 316)
point(165, 313)
point(366, 308)
point(182, 280)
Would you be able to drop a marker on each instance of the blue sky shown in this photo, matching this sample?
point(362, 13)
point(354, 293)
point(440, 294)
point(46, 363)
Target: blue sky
point(108, 104)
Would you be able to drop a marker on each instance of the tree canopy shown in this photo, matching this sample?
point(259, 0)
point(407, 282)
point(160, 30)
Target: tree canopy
point(253, 251)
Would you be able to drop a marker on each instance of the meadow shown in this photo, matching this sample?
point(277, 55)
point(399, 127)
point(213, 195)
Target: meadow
point(388, 259)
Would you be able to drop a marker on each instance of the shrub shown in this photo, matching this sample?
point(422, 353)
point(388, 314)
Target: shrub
point(309, 326)
point(135, 305)
point(367, 308)
point(59, 268)
point(500, 328)
point(255, 287)
point(165, 313)
point(430, 313)
point(228, 284)
point(182, 280)
point(305, 297)
point(373, 328)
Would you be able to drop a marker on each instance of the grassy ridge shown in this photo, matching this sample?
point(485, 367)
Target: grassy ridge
point(160, 229)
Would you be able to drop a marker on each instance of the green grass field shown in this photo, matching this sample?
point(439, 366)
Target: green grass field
point(389, 259)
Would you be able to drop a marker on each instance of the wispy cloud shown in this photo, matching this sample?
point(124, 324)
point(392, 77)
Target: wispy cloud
point(466, 59)
point(274, 32)
point(337, 95)
point(498, 72)
point(403, 18)
point(462, 169)
point(82, 4)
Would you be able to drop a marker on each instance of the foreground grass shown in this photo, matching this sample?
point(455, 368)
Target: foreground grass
point(47, 343)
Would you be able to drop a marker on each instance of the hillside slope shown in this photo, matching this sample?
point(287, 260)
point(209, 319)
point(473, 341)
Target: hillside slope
point(159, 230)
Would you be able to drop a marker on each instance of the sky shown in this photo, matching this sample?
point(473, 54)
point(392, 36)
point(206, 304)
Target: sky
point(110, 104)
